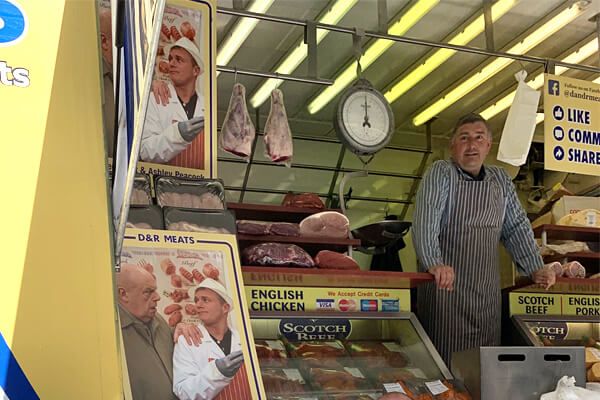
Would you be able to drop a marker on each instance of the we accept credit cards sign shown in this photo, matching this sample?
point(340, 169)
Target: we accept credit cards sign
point(571, 125)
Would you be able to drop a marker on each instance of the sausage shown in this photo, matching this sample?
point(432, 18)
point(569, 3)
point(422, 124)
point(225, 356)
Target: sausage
point(167, 266)
point(190, 309)
point(165, 31)
point(171, 308)
point(210, 271)
point(175, 318)
point(163, 67)
point(176, 281)
point(186, 274)
point(198, 277)
point(175, 33)
point(188, 30)
point(179, 294)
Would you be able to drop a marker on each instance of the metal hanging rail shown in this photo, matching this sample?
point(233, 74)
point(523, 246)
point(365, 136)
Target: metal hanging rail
point(404, 39)
point(322, 168)
point(361, 198)
point(334, 141)
point(276, 75)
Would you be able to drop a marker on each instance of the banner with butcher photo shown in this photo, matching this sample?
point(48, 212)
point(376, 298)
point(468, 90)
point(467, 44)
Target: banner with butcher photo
point(173, 286)
point(179, 137)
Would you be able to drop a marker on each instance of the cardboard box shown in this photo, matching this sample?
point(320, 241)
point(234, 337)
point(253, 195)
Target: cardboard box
point(542, 220)
point(573, 204)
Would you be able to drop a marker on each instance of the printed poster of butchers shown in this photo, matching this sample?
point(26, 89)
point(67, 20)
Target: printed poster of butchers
point(170, 283)
point(177, 137)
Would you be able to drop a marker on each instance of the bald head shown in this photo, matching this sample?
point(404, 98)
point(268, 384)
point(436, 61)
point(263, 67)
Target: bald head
point(136, 290)
point(105, 23)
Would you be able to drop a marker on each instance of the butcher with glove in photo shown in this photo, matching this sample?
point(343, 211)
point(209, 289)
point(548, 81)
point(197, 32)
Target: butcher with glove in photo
point(215, 369)
point(173, 132)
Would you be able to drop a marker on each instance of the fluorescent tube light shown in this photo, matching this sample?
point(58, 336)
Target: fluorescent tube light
point(576, 57)
point(375, 50)
point(476, 27)
point(240, 32)
point(488, 71)
point(291, 62)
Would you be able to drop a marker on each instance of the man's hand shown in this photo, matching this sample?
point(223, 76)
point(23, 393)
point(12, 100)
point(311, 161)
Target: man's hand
point(160, 90)
point(230, 364)
point(190, 129)
point(545, 277)
point(190, 332)
point(444, 276)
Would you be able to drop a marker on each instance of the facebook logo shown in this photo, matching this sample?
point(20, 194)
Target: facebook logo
point(553, 87)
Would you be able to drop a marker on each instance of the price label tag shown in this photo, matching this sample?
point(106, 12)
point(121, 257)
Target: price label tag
point(293, 374)
point(354, 372)
point(275, 344)
point(337, 345)
point(595, 352)
point(417, 372)
point(392, 346)
point(393, 387)
point(436, 387)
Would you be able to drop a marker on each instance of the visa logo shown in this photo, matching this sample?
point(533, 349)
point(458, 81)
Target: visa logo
point(325, 304)
point(13, 23)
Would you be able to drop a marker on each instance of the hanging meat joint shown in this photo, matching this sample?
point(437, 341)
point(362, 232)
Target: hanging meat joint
point(278, 137)
point(238, 131)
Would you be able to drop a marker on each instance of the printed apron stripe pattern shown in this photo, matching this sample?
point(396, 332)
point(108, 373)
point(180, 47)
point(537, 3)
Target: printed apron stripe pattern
point(192, 156)
point(238, 388)
point(468, 316)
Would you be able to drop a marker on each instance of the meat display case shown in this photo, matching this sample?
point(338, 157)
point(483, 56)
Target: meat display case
point(352, 356)
point(562, 331)
point(546, 330)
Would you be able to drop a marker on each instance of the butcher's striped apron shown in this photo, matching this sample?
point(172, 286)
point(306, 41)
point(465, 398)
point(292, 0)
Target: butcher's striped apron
point(469, 316)
point(192, 156)
point(238, 388)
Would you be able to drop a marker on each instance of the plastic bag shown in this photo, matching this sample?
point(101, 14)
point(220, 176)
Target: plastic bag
point(520, 124)
point(566, 390)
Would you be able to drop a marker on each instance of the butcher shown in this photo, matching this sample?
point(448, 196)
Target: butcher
point(147, 338)
point(463, 211)
point(173, 133)
point(215, 369)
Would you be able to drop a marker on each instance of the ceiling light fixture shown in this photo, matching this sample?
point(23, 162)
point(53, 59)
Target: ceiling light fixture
point(491, 69)
point(291, 62)
point(473, 29)
point(373, 52)
point(240, 32)
point(583, 53)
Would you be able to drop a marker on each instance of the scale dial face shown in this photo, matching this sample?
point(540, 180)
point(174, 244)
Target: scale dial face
point(364, 120)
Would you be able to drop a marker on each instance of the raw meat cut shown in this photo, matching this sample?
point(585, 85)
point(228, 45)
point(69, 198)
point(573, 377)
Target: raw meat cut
point(278, 137)
point(556, 267)
point(189, 227)
point(285, 382)
point(317, 349)
point(573, 269)
point(238, 132)
point(271, 353)
point(284, 229)
point(245, 227)
point(279, 254)
point(259, 228)
point(207, 200)
point(328, 259)
point(328, 379)
point(329, 224)
point(210, 271)
point(303, 200)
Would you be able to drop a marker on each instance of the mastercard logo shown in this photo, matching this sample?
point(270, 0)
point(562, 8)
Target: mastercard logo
point(347, 305)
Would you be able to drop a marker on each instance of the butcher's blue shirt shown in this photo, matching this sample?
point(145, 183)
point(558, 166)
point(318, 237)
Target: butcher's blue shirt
point(431, 214)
